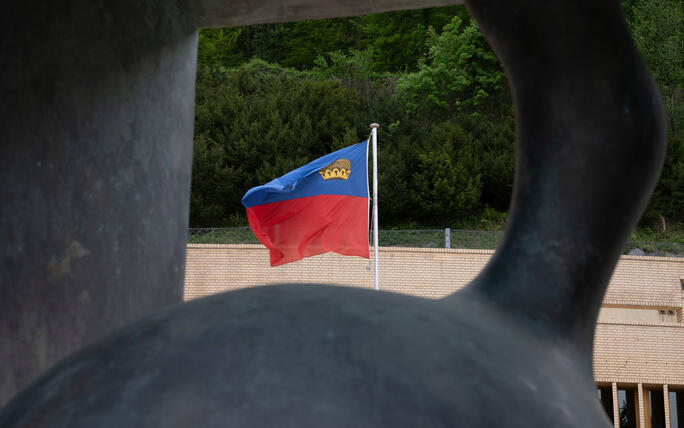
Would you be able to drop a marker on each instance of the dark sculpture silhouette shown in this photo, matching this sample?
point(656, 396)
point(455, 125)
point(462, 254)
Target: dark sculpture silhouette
point(512, 349)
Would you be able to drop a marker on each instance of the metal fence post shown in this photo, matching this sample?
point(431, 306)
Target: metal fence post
point(447, 237)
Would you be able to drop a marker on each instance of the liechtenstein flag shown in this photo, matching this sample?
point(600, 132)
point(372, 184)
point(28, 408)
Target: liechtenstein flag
point(320, 207)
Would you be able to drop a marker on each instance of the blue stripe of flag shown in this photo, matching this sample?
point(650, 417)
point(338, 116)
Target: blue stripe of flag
point(306, 181)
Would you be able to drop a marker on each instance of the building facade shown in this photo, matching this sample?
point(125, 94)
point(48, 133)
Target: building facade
point(639, 343)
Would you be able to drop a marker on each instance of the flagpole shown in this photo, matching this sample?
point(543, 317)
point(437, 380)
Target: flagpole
point(374, 133)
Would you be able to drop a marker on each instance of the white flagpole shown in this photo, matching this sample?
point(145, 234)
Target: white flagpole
point(374, 133)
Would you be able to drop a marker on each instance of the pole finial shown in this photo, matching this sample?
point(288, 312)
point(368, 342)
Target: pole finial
point(374, 125)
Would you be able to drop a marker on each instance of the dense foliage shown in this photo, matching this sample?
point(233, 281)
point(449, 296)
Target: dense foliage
point(273, 97)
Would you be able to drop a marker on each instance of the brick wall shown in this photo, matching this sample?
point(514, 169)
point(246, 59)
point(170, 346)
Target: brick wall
point(433, 273)
point(630, 353)
point(647, 281)
point(625, 352)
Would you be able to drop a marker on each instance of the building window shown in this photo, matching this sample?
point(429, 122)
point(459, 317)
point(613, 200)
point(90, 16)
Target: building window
point(657, 408)
point(627, 405)
point(605, 396)
point(676, 409)
point(668, 316)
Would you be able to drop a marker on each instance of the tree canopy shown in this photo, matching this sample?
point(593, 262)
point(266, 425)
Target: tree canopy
point(273, 97)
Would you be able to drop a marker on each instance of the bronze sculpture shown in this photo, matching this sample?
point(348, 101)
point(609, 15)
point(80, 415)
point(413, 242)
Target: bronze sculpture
point(517, 340)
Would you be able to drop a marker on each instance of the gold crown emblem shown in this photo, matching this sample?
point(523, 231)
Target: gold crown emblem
point(338, 170)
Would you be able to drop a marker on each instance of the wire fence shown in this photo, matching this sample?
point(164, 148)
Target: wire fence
point(221, 235)
point(433, 238)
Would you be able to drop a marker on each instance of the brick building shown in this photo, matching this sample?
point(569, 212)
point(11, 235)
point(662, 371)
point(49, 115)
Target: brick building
point(639, 344)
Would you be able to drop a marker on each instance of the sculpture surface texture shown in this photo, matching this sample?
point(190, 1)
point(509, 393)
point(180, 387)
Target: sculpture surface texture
point(513, 349)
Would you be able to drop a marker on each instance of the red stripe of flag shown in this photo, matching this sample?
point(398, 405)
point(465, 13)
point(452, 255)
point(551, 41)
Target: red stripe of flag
point(303, 227)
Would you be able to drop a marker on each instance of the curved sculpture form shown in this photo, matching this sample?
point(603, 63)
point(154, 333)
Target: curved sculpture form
point(513, 349)
point(97, 103)
point(226, 13)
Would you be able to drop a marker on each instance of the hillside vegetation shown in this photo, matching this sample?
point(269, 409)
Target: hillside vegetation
point(273, 97)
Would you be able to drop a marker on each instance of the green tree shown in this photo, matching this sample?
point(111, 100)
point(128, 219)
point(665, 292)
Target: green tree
point(308, 40)
point(460, 72)
point(398, 38)
point(432, 82)
point(446, 184)
point(255, 123)
point(220, 47)
point(658, 30)
point(494, 139)
point(214, 182)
